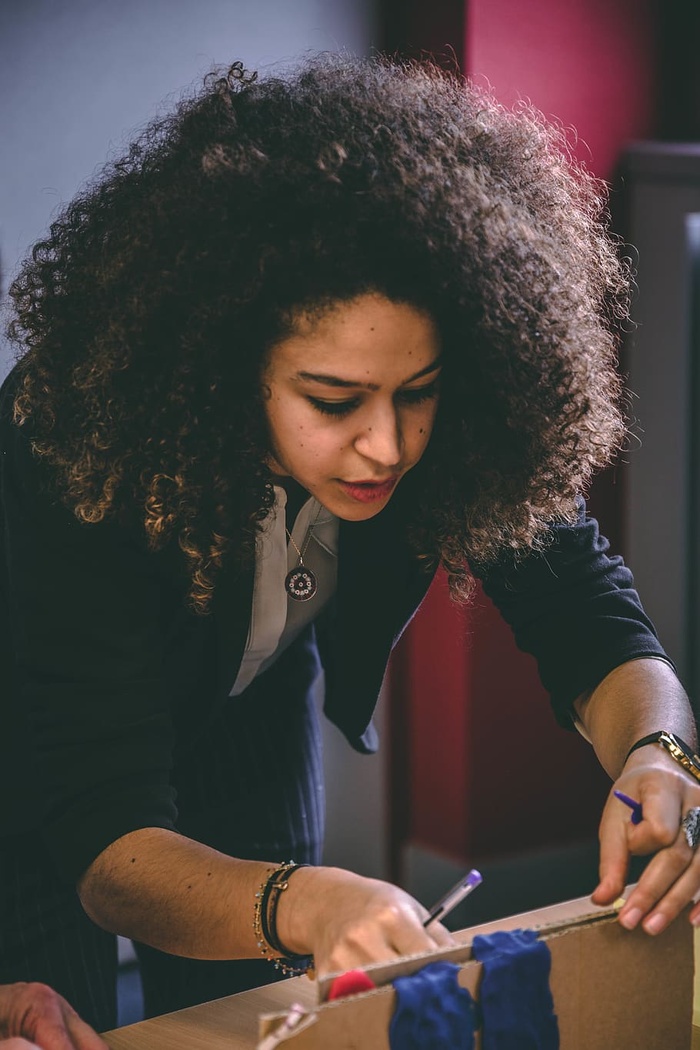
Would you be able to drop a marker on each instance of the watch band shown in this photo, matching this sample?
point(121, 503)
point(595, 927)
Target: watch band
point(677, 749)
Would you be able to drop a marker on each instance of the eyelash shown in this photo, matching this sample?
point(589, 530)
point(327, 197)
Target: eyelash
point(344, 408)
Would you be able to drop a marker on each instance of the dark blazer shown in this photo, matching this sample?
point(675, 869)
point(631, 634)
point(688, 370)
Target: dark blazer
point(107, 678)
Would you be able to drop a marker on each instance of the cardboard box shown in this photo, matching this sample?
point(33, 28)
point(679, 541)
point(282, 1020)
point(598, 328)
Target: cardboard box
point(612, 989)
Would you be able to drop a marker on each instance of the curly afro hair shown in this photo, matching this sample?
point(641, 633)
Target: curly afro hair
point(146, 315)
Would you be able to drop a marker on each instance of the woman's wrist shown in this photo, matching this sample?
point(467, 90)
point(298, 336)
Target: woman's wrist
point(295, 915)
point(265, 907)
point(682, 752)
point(615, 718)
point(650, 757)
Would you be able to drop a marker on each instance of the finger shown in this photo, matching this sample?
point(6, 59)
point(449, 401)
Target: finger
point(17, 1044)
point(352, 953)
point(344, 957)
point(82, 1035)
point(413, 938)
point(673, 876)
point(695, 913)
point(440, 935)
point(400, 934)
point(51, 1034)
point(43, 1019)
point(55, 1025)
point(672, 903)
point(659, 828)
point(614, 857)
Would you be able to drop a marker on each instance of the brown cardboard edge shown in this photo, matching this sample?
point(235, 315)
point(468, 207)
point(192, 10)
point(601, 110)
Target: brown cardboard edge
point(548, 921)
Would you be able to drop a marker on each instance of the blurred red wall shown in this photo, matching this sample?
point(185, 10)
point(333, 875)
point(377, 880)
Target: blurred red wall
point(478, 765)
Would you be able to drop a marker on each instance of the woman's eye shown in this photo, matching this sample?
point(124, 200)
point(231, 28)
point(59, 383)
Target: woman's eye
point(333, 408)
point(415, 397)
point(344, 408)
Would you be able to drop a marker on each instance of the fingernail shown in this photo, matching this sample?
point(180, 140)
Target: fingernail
point(695, 920)
point(631, 918)
point(656, 923)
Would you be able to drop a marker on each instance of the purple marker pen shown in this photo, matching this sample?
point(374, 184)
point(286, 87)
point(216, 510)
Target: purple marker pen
point(635, 806)
point(454, 896)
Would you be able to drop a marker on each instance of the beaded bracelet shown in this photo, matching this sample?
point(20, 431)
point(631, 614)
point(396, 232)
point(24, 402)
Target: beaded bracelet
point(265, 921)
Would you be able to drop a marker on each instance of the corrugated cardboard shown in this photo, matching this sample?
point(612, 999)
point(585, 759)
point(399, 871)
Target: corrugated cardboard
point(613, 989)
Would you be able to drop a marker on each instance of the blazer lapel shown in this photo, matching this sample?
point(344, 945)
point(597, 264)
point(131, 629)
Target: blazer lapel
point(380, 585)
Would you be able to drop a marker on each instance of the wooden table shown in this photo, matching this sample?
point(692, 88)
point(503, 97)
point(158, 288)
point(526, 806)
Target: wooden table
point(225, 1024)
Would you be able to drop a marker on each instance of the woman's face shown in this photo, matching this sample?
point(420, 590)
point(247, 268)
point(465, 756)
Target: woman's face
point(351, 398)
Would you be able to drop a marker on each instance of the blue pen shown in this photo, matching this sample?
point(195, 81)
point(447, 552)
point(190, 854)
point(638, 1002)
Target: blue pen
point(635, 806)
point(454, 896)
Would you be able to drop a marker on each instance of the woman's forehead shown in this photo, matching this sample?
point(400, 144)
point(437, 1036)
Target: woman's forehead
point(358, 341)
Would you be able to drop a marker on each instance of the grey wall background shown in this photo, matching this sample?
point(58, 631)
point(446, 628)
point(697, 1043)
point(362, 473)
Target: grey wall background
point(78, 76)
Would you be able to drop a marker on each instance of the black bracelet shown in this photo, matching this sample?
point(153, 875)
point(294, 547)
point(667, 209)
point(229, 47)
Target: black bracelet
point(265, 922)
point(270, 923)
point(677, 748)
point(652, 738)
point(265, 902)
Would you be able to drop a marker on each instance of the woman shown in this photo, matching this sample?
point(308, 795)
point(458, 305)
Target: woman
point(307, 340)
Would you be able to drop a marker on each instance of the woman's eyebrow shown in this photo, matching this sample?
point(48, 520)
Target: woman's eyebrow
point(329, 380)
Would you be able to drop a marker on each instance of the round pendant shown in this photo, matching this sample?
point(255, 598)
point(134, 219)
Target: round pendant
point(300, 584)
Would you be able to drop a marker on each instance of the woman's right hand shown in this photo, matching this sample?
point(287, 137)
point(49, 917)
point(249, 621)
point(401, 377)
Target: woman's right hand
point(347, 921)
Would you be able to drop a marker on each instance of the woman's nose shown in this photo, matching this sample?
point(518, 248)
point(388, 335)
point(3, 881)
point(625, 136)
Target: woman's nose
point(381, 441)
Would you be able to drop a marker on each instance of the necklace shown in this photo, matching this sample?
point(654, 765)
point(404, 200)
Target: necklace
point(300, 582)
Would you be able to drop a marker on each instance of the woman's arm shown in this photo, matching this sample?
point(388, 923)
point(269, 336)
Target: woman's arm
point(575, 608)
point(187, 899)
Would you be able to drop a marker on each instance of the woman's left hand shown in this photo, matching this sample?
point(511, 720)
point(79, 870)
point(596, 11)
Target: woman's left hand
point(671, 880)
point(34, 1017)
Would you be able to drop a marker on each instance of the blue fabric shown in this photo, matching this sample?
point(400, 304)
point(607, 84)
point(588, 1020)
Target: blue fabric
point(432, 1011)
point(516, 1002)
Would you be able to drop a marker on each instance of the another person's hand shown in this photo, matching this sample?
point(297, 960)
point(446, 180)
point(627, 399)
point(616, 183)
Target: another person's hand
point(672, 878)
point(34, 1017)
point(348, 921)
